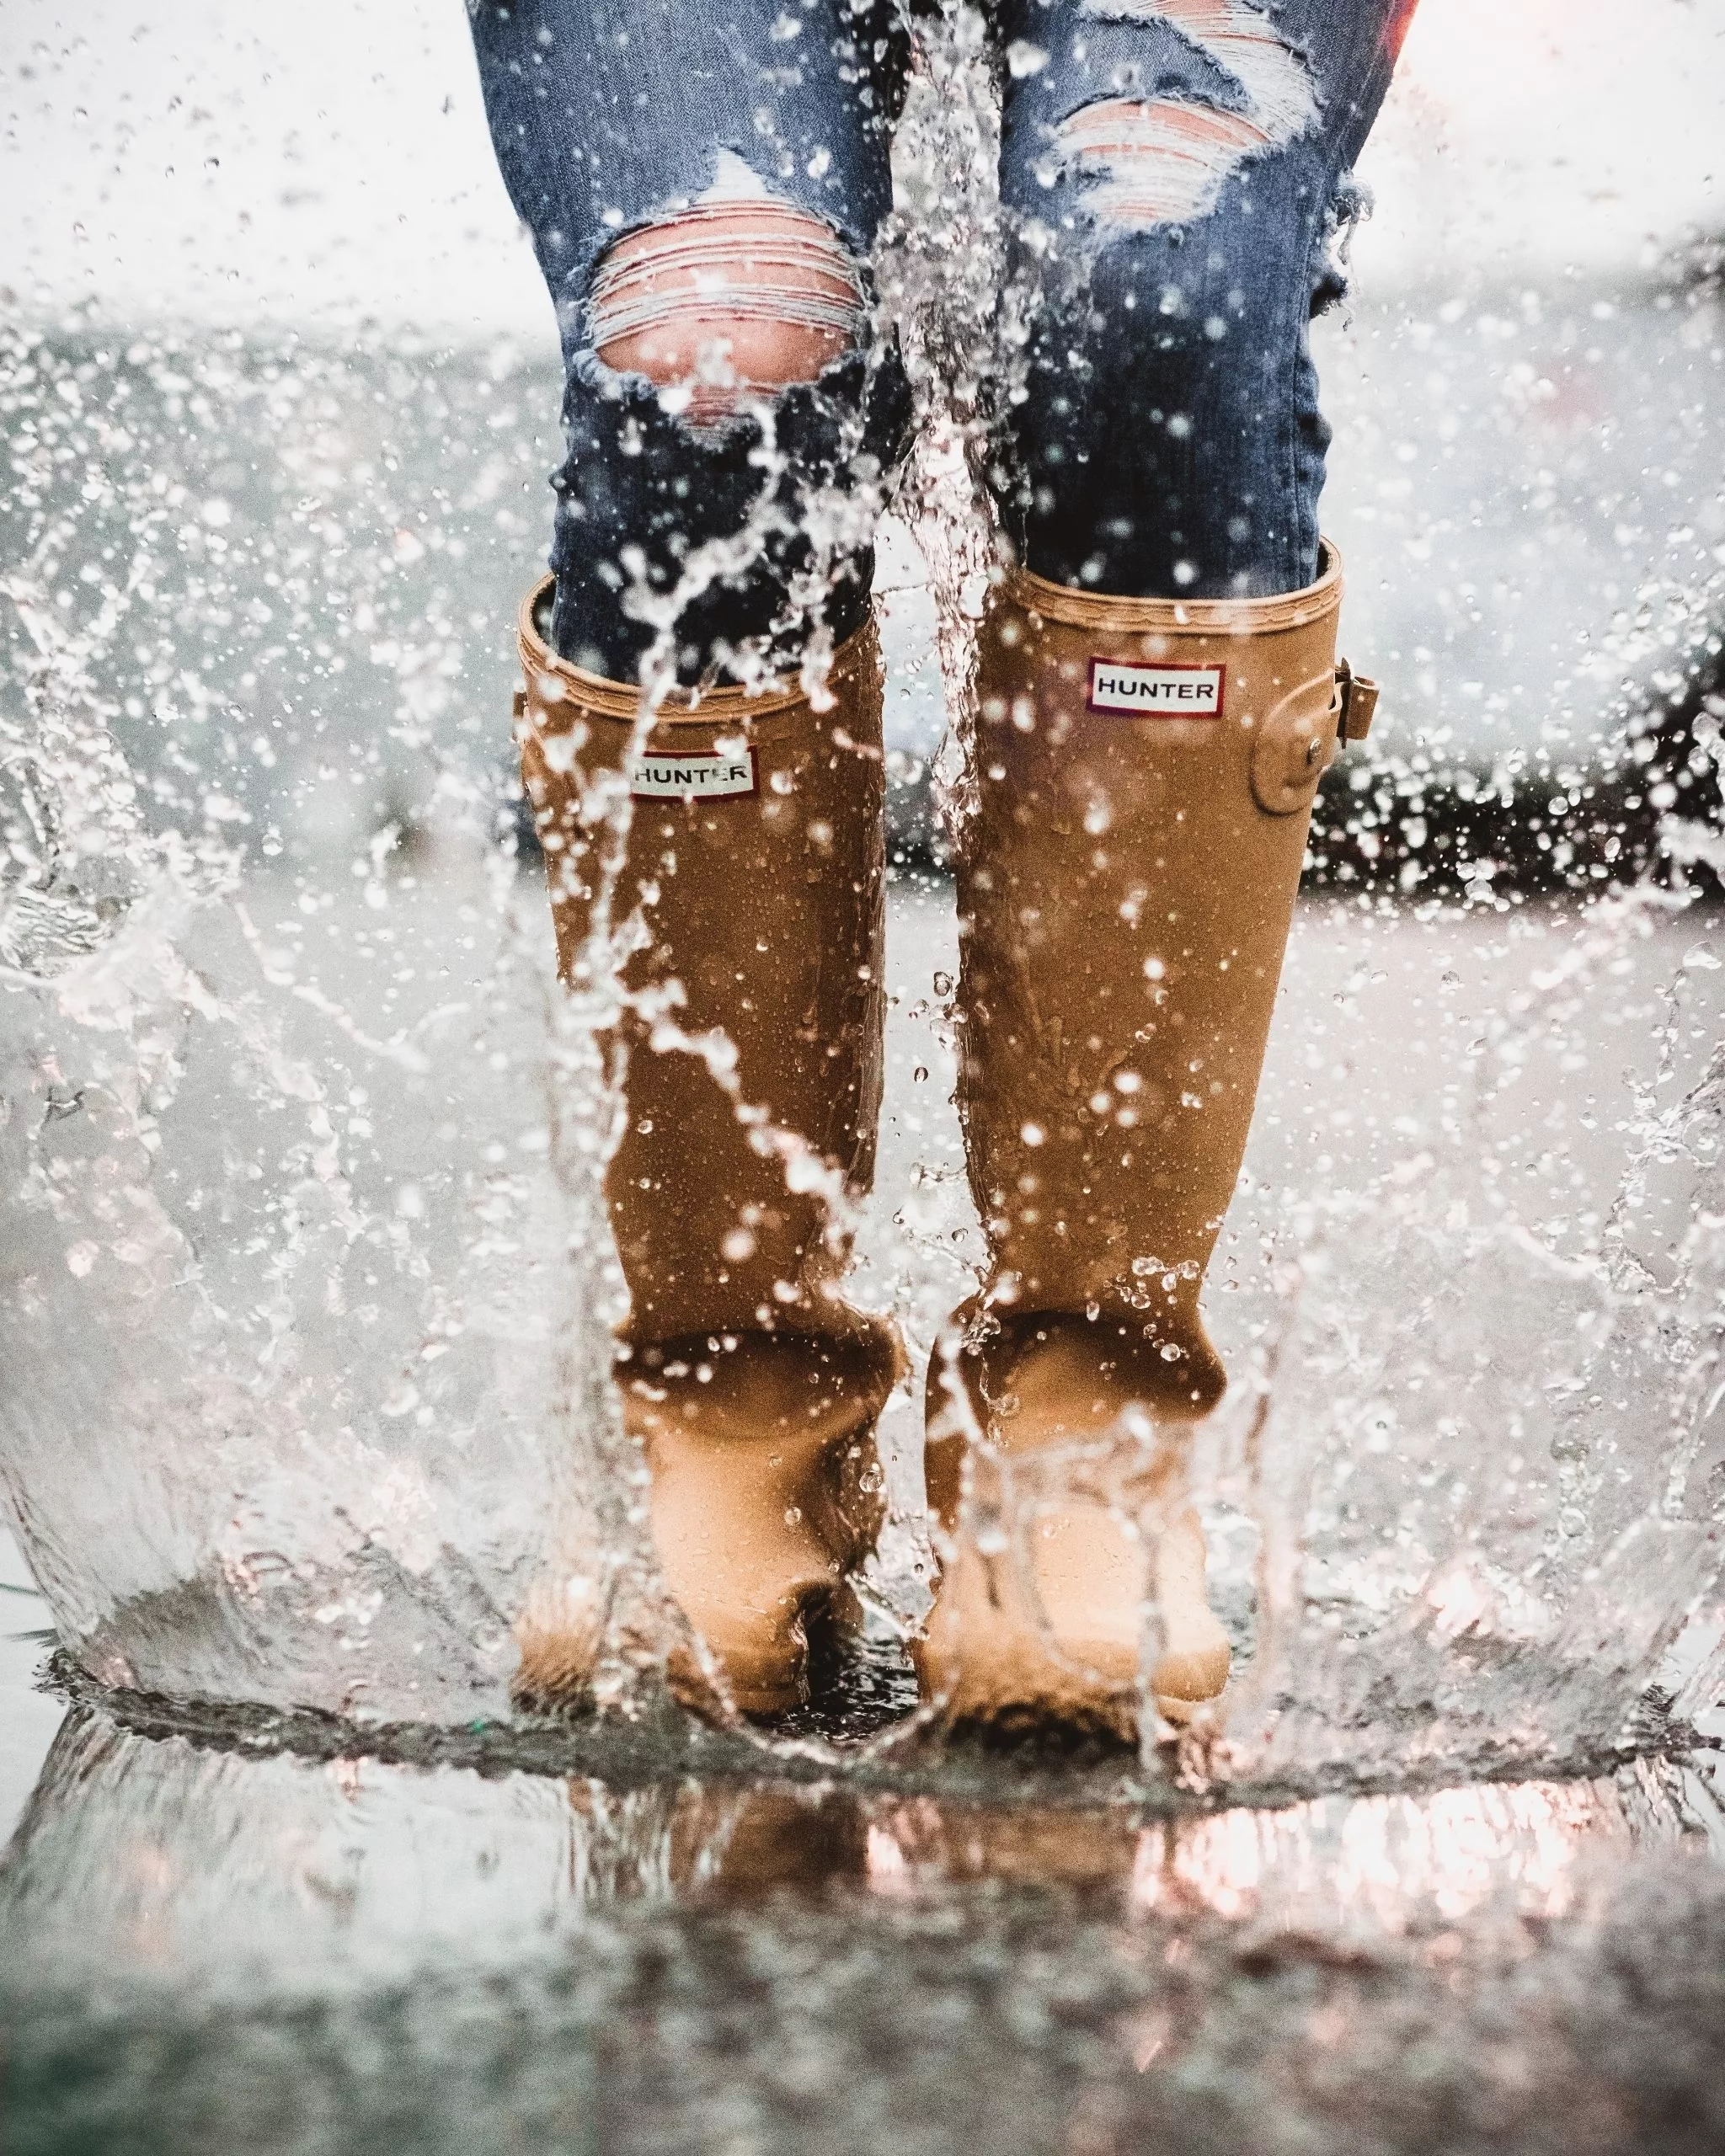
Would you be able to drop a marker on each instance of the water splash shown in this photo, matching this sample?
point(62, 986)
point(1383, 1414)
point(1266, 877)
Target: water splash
point(308, 1278)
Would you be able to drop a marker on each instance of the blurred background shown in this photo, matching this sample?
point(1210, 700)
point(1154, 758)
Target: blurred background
point(268, 256)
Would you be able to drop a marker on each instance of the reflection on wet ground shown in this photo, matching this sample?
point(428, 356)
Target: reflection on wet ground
point(28, 1716)
point(204, 1949)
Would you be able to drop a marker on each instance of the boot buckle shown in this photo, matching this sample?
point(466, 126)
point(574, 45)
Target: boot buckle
point(1356, 702)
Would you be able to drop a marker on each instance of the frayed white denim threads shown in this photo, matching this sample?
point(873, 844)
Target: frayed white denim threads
point(1165, 160)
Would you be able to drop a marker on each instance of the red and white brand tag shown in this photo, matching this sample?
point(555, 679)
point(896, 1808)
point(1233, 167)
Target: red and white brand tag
point(659, 775)
point(1157, 691)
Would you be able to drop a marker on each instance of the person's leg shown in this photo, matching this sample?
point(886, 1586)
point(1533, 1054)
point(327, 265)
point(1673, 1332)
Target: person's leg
point(702, 184)
point(1173, 177)
point(1157, 699)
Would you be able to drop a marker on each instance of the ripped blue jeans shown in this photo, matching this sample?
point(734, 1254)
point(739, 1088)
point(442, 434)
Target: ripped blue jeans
point(704, 184)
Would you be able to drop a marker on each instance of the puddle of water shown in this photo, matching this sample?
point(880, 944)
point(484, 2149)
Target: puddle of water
point(212, 1947)
point(352, 1870)
point(28, 1716)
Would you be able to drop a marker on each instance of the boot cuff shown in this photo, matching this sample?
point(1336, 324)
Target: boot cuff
point(1208, 617)
point(600, 697)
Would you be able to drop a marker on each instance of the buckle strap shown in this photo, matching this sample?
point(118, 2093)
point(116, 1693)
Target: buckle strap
point(1354, 704)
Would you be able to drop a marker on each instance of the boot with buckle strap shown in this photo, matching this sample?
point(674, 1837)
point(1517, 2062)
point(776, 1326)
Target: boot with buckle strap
point(1145, 771)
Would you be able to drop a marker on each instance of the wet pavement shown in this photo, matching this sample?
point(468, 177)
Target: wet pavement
point(250, 1932)
point(29, 1718)
point(209, 1950)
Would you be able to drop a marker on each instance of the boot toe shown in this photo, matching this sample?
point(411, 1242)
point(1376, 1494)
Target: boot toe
point(1053, 1640)
point(1051, 1631)
point(1186, 1678)
point(761, 1642)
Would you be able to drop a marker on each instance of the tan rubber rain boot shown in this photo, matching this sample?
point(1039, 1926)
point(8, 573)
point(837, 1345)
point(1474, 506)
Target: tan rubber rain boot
point(756, 854)
point(1145, 771)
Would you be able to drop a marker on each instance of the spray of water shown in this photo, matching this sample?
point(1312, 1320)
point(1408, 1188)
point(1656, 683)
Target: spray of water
point(308, 1285)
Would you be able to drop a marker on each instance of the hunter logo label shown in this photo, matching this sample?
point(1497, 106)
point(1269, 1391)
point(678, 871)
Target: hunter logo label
point(1157, 691)
point(658, 775)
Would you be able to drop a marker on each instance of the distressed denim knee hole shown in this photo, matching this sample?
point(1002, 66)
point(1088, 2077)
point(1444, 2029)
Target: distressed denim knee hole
point(724, 303)
point(1165, 160)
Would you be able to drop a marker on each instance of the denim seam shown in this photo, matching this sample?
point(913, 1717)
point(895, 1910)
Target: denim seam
point(1337, 165)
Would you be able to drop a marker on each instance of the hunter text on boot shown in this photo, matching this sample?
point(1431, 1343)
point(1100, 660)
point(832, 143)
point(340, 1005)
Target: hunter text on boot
point(1157, 691)
point(655, 774)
